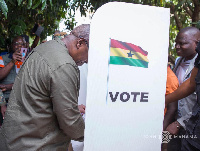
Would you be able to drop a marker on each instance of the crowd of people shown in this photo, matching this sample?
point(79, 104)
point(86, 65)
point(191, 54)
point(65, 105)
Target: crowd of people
point(42, 111)
point(184, 124)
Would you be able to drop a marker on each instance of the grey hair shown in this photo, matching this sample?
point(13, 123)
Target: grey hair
point(82, 31)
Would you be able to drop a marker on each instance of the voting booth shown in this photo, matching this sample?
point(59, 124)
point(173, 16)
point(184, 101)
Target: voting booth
point(126, 80)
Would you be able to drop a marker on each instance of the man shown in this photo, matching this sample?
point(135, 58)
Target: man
point(8, 69)
point(43, 112)
point(185, 47)
point(7, 61)
point(191, 142)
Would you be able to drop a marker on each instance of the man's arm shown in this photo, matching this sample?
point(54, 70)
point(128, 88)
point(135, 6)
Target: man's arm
point(173, 128)
point(6, 87)
point(6, 70)
point(186, 88)
point(170, 114)
point(171, 85)
point(35, 42)
point(64, 94)
point(37, 38)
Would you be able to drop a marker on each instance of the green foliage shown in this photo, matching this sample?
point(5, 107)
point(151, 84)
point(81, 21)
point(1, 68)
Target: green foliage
point(3, 7)
point(29, 4)
point(19, 16)
point(183, 13)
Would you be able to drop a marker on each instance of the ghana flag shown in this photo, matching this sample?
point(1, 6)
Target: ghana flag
point(122, 53)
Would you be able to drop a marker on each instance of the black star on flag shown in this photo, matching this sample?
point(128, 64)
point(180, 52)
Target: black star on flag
point(130, 54)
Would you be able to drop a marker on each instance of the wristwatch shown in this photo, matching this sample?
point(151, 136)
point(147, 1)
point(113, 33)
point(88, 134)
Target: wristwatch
point(177, 126)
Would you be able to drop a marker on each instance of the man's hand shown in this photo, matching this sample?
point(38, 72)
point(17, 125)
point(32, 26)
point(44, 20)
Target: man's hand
point(3, 110)
point(17, 56)
point(3, 87)
point(81, 108)
point(173, 128)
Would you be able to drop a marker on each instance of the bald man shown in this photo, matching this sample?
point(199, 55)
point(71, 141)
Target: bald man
point(185, 48)
point(191, 140)
point(43, 111)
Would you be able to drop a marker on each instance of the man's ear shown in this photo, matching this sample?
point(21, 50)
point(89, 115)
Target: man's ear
point(196, 41)
point(80, 43)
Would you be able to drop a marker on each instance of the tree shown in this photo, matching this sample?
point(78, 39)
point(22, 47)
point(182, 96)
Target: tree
point(183, 13)
point(19, 16)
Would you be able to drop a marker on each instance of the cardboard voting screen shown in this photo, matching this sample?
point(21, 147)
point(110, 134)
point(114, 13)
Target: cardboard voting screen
point(126, 78)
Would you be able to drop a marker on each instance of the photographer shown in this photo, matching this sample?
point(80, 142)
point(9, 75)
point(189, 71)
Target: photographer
point(8, 68)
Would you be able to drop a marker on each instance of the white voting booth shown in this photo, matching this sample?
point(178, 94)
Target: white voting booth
point(126, 78)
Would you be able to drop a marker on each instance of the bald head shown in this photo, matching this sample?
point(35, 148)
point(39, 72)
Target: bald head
point(186, 42)
point(192, 31)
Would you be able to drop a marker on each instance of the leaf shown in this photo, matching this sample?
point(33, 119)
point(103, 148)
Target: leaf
point(180, 4)
point(43, 4)
point(22, 25)
point(19, 2)
point(37, 4)
point(11, 2)
point(29, 4)
point(4, 7)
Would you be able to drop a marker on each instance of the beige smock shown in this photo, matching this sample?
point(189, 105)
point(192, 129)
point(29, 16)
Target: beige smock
point(42, 113)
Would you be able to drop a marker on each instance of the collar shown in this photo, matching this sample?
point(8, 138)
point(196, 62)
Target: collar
point(62, 43)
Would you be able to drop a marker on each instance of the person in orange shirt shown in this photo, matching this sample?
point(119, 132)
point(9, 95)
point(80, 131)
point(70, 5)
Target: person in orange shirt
point(171, 85)
point(170, 111)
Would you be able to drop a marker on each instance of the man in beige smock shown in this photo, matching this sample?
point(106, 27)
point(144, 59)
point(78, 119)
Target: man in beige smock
point(43, 112)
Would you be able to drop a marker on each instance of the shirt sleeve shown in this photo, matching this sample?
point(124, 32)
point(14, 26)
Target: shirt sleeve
point(172, 82)
point(1, 62)
point(64, 94)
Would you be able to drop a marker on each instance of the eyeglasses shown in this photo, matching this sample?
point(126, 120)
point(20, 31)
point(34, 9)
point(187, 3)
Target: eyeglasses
point(19, 43)
point(86, 42)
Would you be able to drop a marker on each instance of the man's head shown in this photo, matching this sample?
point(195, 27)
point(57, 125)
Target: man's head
point(77, 43)
point(186, 42)
point(17, 44)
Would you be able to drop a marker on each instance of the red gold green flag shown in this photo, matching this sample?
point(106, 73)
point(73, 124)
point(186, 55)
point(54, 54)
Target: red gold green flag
point(122, 53)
